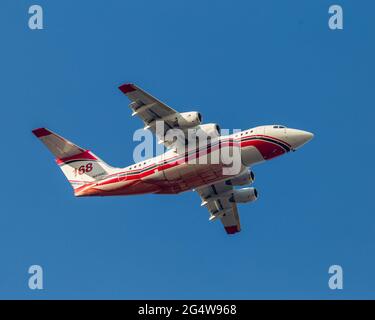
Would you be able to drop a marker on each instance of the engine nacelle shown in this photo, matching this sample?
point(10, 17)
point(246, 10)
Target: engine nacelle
point(244, 195)
point(210, 129)
point(245, 178)
point(189, 119)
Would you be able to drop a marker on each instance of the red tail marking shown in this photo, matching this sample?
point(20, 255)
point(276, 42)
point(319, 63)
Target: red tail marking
point(41, 132)
point(86, 155)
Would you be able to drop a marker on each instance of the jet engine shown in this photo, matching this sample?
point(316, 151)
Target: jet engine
point(189, 119)
point(244, 195)
point(210, 129)
point(243, 179)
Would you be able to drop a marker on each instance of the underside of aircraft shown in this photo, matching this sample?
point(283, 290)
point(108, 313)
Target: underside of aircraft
point(198, 166)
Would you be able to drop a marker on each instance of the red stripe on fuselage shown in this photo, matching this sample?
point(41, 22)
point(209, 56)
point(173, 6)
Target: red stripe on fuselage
point(232, 141)
point(267, 149)
point(269, 137)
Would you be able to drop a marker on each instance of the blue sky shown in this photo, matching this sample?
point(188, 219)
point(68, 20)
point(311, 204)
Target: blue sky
point(241, 64)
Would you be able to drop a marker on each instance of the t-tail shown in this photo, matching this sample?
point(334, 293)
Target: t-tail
point(80, 166)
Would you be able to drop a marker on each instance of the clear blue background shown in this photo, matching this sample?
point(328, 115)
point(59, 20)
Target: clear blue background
point(241, 64)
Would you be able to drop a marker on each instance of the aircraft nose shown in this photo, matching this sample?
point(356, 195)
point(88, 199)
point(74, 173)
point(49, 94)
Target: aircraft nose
point(297, 138)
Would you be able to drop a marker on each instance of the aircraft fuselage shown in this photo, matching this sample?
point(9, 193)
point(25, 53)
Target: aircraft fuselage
point(172, 172)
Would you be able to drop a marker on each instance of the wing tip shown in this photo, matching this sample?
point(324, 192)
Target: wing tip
point(127, 87)
point(41, 132)
point(232, 229)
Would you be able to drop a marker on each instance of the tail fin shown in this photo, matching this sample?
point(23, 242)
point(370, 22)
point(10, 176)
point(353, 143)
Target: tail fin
point(80, 166)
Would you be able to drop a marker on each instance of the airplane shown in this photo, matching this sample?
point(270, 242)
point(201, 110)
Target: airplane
point(173, 171)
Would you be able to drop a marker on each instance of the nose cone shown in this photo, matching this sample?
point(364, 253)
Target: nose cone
point(297, 138)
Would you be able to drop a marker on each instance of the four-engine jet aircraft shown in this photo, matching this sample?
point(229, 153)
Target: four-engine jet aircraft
point(175, 171)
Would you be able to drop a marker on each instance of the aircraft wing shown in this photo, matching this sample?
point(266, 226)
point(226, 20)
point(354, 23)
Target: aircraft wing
point(150, 109)
point(216, 199)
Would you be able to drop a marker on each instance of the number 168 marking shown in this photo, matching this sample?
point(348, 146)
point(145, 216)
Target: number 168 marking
point(83, 169)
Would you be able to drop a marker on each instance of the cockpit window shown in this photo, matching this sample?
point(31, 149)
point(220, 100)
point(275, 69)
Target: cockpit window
point(279, 127)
